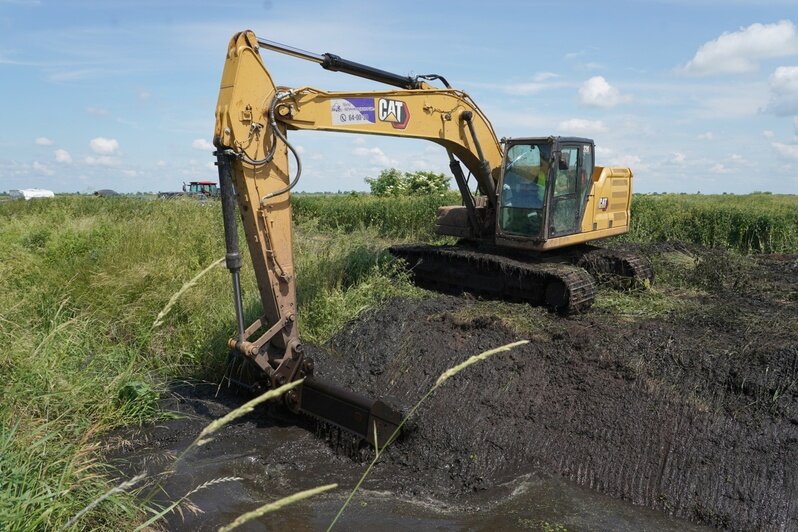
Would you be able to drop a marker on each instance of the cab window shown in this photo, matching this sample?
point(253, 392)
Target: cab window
point(523, 194)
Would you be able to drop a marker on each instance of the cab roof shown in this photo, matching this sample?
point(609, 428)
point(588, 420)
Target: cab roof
point(580, 140)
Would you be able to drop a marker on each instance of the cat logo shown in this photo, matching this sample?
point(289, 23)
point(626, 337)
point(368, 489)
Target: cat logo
point(393, 111)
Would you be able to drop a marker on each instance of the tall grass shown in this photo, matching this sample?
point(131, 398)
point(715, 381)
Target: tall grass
point(752, 223)
point(82, 281)
point(404, 217)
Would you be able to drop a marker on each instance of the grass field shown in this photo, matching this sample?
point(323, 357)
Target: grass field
point(82, 280)
point(750, 223)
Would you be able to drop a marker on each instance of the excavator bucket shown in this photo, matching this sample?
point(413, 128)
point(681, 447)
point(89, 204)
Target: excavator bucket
point(373, 421)
point(361, 419)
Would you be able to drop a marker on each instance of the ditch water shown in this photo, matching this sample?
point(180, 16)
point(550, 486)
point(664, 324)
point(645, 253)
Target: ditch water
point(270, 458)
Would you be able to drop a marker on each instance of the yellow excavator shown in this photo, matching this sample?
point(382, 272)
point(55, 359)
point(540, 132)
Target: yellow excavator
point(523, 233)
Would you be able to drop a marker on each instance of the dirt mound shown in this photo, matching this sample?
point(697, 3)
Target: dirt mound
point(695, 415)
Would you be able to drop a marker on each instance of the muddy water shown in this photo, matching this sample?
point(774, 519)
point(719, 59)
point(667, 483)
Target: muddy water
point(271, 458)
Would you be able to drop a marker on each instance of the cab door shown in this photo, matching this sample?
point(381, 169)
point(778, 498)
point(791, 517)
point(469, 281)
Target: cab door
point(566, 191)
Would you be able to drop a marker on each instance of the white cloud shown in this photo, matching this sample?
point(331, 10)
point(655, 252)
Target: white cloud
point(42, 168)
point(544, 76)
point(719, 168)
point(98, 111)
point(160, 164)
point(130, 173)
point(768, 134)
point(784, 91)
point(789, 151)
point(580, 126)
point(524, 89)
point(738, 101)
point(628, 161)
point(706, 136)
point(63, 156)
point(611, 157)
point(540, 82)
point(678, 158)
point(202, 144)
point(738, 52)
point(104, 146)
point(597, 92)
point(376, 156)
point(604, 153)
point(591, 66)
point(102, 160)
point(43, 141)
point(795, 124)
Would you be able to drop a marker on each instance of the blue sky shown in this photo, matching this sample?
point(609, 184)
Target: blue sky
point(693, 95)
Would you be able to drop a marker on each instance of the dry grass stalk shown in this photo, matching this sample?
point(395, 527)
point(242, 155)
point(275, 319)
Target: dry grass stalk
point(124, 486)
point(205, 437)
point(242, 410)
point(161, 315)
point(276, 505)
point(179, 501)
point(451, 372)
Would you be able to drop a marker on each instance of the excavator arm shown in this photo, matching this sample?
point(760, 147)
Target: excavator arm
point(252, 118)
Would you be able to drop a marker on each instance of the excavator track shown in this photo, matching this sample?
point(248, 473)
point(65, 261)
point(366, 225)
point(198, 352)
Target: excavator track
point(560, 286)
point(622, 269)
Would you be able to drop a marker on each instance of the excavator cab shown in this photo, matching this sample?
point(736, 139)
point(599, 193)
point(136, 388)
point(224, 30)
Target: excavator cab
point(544, 187)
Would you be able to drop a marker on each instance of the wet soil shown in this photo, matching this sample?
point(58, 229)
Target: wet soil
point(618, 422)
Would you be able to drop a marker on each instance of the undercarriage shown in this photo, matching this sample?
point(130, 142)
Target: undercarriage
point(564, 282)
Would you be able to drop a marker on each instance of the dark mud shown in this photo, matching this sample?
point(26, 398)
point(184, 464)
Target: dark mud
point(693, 414)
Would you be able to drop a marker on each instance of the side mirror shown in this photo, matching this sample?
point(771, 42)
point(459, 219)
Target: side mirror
point(563, 163)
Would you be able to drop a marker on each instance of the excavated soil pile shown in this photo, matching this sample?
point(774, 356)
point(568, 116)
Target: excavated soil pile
point(695, 414)
point(692, 412)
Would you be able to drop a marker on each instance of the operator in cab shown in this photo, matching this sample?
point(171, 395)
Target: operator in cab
point(524, 190)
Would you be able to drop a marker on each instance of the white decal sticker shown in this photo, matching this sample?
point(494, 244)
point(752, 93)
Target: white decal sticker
point(352, 111)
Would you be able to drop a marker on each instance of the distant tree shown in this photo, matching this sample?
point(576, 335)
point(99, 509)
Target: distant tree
point(392, 182)
point(389, 183)
point(426, 183)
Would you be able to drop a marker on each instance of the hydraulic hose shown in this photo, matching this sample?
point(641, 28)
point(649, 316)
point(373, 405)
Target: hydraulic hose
point(279, 134)
point(269, 156)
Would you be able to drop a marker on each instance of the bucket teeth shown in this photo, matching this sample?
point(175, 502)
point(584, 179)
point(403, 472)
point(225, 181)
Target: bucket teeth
point(373, 421)
point(349, 421)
